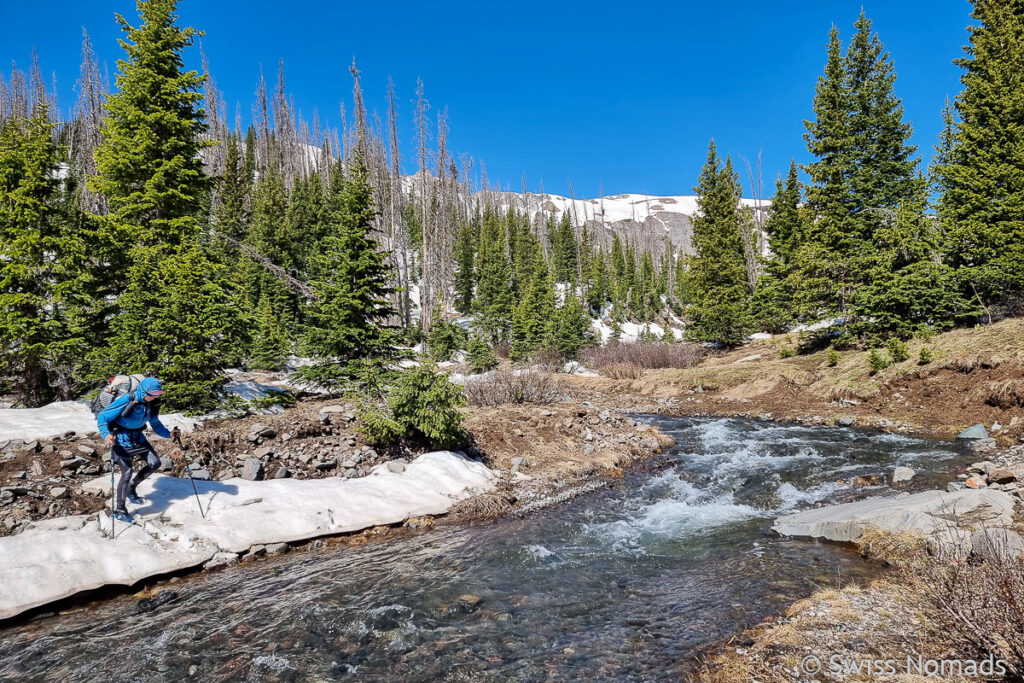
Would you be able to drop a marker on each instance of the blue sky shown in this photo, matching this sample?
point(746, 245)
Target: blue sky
point(619, 96)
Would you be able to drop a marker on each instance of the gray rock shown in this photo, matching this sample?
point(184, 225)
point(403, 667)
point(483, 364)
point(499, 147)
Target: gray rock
point(349, 463)
point(267, 432)
point(282, 473)
point(325, 465)
point(277, 548)
point(166, 463)
point(6, 497)
point(845, 421)
point(252, 470)
point(86, 450)
point(972, 433)
point(518, 462)
point(60, 492)
point(226, 473)
point(221, 560)
point(1000, 475)
point(36, 469)
point(902, 475)
point(351, 473)
point(201, 474)
point(31, 447)
point(263, 452)
point(981, 445)
point(927, 513)
point(20, 475)
point(588, 449)
point(254, 552)
point(954, 486)
point(396, 467)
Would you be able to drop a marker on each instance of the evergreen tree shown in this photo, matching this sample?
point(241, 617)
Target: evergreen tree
point(717, 275)
point(347, 335)
point(465, 276)
point(772, 305)
point(983, 179)
point(149, 163)
point(41, 265)
point(571, 329)
point(599, 289)
point(565, 250)
point(494, 301)
point(270, 343)
point(910, 290)
point(826, 272)
point(175, 322)
point(531, 324)
point(479, 355)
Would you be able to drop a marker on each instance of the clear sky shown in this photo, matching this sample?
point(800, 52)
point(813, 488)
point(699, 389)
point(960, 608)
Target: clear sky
point(622, 96)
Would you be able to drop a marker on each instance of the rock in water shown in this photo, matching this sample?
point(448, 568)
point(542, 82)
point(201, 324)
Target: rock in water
point(972, 433)
point(901, 475)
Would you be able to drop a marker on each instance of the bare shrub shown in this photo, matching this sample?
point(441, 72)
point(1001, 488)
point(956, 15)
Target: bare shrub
point(622, 371)
point(973, 602)
point(500, 387)
point(646, 355)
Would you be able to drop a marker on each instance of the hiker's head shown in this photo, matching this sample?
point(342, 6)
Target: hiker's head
point(149, 389)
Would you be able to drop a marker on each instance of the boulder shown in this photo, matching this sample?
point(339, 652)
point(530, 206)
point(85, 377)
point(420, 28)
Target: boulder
point(921, 513)
point(845, 422)
point(166, 463)
point(1001, 475)
point(277, 548)
point(252, 470)
point(60, 492)
point(396, 467)
point(901, 475)
point(973, 433)
point(282, 473)
point(201, 474)
point(996, 545)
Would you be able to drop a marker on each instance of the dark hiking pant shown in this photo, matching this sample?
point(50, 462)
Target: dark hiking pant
point(123, 456)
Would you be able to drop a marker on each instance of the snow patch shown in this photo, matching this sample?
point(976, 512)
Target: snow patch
point(57, 558)
point(63, 416)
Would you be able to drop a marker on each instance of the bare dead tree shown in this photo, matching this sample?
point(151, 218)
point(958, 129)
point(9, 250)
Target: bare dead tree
point(426, 240)
point(752, 228)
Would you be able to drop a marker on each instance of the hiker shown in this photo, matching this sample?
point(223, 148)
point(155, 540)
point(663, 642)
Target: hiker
point(121, 425)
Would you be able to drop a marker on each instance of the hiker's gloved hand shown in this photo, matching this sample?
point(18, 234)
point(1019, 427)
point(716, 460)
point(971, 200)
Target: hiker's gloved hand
point(111, 439)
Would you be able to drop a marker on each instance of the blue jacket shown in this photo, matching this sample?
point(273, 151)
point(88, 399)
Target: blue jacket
point(129, 432)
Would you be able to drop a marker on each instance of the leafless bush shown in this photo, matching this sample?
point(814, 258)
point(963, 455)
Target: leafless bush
point(647, 355)
point(974, 602)
point(500, 387)
point(622, 371)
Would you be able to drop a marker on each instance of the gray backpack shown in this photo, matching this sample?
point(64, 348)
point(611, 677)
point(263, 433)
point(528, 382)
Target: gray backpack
point(114, 388)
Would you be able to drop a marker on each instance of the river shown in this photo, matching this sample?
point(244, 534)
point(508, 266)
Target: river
point(623, 583)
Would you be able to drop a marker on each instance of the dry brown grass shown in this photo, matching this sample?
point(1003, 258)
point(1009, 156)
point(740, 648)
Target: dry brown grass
point(1006, 394)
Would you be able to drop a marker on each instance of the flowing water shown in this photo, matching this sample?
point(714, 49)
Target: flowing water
point(623, 583)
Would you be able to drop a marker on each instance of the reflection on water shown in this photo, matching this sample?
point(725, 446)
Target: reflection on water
point(621, 583)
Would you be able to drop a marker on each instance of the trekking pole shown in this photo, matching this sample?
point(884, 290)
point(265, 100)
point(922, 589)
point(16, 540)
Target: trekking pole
point(112, 501)
point(176, 437)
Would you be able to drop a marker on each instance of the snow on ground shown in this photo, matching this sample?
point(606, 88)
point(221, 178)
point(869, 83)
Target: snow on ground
point(248, 390)
point(64, 416)
point(57, 558)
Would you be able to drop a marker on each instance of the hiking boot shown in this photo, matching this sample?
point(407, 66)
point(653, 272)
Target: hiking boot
point(134, 498)
point(122, 515)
